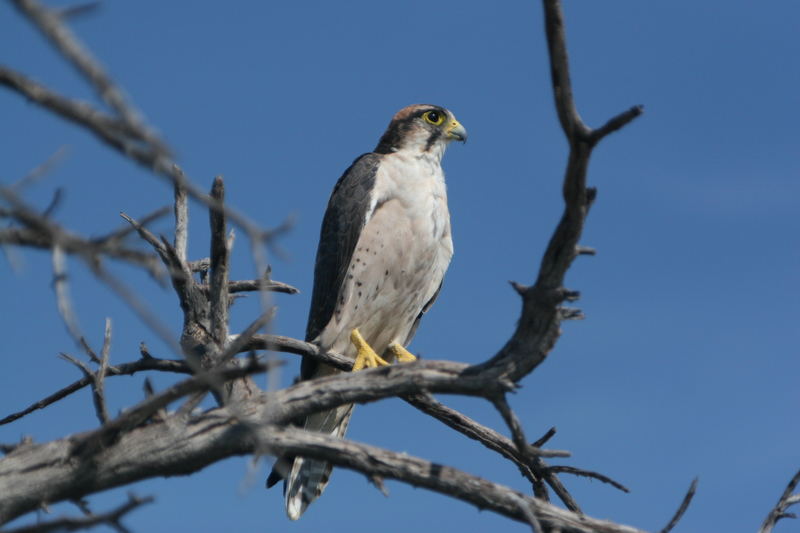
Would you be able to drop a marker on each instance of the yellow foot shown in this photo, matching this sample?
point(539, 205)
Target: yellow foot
point(366, 356)
point(401, 354)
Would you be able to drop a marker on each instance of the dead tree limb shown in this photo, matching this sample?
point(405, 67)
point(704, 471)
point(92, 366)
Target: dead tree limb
point(780, 510)
point(111, 518)
point(180, 446)
point(538, 328)
point(124, 369)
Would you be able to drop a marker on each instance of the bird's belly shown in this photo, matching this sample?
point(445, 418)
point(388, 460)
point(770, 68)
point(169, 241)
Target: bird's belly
point(396, 268)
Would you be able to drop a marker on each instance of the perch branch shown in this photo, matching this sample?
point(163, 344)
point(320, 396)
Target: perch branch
point(181, 446)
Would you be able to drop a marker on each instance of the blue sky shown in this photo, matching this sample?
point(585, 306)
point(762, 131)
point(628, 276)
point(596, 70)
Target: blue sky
point(687, 363)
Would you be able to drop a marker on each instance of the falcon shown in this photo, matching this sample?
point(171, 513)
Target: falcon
point(384, 247)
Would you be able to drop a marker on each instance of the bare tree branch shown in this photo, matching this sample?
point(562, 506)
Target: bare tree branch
point(61, 37)
point(106, 127)
point(260, 285)
point(472, 429)
point(111, 518)
point(181, 219)
point(77, 245)
point(41, 232)
point(538, 328)
point(97, 391)
point(280, 343)
point(513, 423)
point(538, 443)
point(125, 369)
point(181, 446)
point(127, 229)
point(587, 473)
point(63, 299)
point(218, 285)
point(99, 376)
point(786, 500)
point(682, 509)
point(40, 170)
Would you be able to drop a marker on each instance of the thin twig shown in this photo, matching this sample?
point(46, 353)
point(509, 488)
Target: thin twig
point(63, 299)
point(73, 244)
point(127, 229)
point(513, 423)
point(97, 392)
point(138, 414)
point(116, 134)
point(245, 338)
point(147, 235)
point(538, 443)
point(62, 38)
point(221, 358)
point(137, 305)
point(111, 518)
point(786, 500)
point(587, 473)
point(99, 376)
point(617, 122)
point(125, 369)
point(474, 430)
point(40, 170)
point(78, 10)
point(260, 285)
point(682, 509)
point(539, 467)
point(106, 127)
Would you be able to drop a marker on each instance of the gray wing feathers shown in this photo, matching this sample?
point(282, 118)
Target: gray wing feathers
point(309, 477)
point(347, 213)
point(345, 217)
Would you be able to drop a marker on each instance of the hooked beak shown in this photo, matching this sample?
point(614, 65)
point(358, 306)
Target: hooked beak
point(456, 132)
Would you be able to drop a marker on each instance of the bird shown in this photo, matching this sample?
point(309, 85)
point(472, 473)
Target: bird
point(384, 247)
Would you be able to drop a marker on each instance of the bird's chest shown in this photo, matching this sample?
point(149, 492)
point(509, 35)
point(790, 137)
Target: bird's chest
point(412, 194)
point(401, 256)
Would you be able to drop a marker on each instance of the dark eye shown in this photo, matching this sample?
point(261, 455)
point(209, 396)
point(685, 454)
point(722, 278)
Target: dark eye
point(433, 117)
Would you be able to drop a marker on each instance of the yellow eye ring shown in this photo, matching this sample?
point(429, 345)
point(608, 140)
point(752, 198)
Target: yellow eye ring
point(433, 117)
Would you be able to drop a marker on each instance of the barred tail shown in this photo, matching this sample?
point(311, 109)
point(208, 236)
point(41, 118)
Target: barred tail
point(309, 477)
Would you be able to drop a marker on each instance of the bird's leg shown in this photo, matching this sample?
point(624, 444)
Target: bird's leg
point(366, 356)
point(401, 354)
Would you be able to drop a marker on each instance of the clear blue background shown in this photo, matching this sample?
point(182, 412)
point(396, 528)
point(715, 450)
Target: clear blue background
point(687, 363)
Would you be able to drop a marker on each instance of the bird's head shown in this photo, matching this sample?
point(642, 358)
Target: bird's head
point(423, 128)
